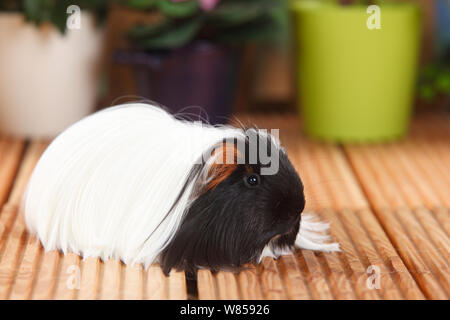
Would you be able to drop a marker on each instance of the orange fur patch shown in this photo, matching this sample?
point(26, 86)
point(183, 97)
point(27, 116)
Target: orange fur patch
point(225, 163)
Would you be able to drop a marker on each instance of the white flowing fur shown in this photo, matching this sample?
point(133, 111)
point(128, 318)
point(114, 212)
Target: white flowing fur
point(103, 187)
point(311, 235)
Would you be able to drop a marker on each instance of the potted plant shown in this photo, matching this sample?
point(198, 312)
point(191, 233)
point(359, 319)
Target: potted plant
point(190, 55)
point(356, 67)
point(48, 75)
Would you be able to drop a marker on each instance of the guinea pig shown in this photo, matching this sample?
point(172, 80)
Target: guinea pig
point(135, 183)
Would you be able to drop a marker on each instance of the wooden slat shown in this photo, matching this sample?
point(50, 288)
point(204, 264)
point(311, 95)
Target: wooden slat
point(227, 285)
point(429, 138)
point(26, 274)
point(435, 161)
point(364, 245)
point(271, 280)
point(206, 285)
point(430, 172)
point(378, 185)
point(435, 231)
point(317, 281)
point(90, 279)
point(294, 279)
point(10, 257)
point(110, 285)
point(249, 284)
point(410, 254)
point(15, 238)
point(32, 155)
point(10, 155)
point(7, 217)
point(337, 276)
point(431, 254)
point(69, 279)
point(353, 264)
point(133, 288)
point(389, 255)
point(155, 284)
point(45, 283)
point(441, 215)
point(177, 286)
point(397, 174)
point(409, 190)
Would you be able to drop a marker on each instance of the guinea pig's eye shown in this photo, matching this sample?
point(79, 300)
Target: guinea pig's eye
point(252, 180)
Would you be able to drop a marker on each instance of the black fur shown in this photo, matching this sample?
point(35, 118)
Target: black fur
point(230, 225)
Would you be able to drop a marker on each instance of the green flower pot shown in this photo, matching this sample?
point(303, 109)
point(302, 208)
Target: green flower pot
point(356, 83)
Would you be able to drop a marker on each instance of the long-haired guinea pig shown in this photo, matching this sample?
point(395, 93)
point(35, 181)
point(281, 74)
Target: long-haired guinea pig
point(135, 183)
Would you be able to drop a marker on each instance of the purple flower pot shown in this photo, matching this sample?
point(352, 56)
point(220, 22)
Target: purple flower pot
point(199, 79)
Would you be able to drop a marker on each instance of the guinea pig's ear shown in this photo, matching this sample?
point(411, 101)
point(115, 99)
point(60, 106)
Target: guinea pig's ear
point(224, 160)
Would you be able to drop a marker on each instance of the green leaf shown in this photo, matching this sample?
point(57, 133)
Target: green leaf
point(264, 29)
point(430, 71)
point(32, 9)
point(235, 13)
point(177, 9)
point(59, 15)
point(174, 37)
point(233, 21)
point(427, 93)
point(239, 21)
point(443, 82)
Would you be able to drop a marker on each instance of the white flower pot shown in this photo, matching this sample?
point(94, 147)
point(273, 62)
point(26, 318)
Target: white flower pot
point(47, 80)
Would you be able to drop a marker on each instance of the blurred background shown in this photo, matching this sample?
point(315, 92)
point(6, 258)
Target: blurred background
point(351, 70)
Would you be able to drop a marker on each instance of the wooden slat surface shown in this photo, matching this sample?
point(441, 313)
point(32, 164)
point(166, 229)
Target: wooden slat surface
point(388, 205)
